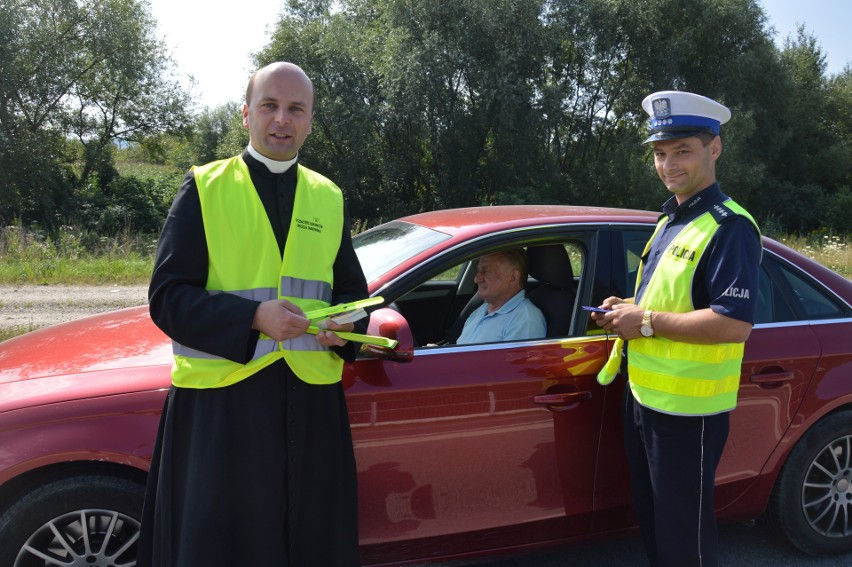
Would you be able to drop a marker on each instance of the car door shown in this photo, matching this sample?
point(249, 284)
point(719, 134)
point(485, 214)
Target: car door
point(780, 358)
point(471, 447)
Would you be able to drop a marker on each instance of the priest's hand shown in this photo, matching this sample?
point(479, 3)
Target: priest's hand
point(329, 339)
point(280, 319)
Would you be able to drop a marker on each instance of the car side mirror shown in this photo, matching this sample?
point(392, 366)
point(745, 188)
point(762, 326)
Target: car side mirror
point(389, 323)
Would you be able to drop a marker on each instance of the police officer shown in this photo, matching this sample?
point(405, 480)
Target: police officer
point(254, 462)
point(680, 338)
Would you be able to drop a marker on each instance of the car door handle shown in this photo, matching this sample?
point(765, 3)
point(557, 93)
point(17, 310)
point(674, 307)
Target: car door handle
point(771, 379)
point(561, 402)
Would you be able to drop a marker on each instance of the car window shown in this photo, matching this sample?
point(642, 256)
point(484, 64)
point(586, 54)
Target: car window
point(380, 249)
point(785, 294)
point(437, 312)
point(634, 242)
point(814, 303)
point(772, 306)
point(451, 275)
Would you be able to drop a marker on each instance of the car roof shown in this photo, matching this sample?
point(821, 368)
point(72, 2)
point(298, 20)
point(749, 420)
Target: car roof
point(472, 220)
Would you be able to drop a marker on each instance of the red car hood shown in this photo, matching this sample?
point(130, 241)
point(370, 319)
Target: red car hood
point(84, 358)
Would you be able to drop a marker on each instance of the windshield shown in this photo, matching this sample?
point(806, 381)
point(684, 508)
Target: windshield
point(385, 246)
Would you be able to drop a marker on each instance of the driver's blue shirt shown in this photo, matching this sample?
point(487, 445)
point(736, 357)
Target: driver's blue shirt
point(515, 320)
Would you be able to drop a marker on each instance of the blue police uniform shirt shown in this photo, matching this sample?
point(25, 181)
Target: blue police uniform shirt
point(727, 276)
point(516, 319)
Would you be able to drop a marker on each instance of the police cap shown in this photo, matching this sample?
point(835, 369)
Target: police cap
point(678, 114)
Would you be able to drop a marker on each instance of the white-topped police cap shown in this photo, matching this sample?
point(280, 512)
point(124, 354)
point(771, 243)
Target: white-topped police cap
point(678, 114)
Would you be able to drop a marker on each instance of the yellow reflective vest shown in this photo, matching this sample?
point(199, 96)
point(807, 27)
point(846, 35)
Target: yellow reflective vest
point(671, 376)
point(244, 259)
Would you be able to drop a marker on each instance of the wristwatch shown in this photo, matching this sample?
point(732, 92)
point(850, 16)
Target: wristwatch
point(647, 329)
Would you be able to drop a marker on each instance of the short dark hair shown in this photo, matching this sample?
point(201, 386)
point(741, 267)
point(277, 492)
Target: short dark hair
point(706, 138)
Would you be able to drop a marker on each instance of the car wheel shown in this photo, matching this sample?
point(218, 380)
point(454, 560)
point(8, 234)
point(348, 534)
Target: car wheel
point(812, 500)
point(82, 520)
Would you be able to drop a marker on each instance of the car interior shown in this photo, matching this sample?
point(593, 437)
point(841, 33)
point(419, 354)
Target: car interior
point(437, 309)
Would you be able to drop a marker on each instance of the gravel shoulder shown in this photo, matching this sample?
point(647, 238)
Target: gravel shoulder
point(30, 307)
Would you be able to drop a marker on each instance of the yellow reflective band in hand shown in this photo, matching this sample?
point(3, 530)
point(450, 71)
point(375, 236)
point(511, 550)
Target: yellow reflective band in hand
point(357, 337)
point(325, 312)
point(343, 307)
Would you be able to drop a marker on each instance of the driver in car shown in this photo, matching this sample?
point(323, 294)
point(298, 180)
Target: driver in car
point(506, 314)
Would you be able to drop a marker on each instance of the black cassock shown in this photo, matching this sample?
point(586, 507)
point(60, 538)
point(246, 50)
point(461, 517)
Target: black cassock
point(260, 473)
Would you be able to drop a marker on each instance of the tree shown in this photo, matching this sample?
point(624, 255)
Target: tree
point(429, 104)
point(86, 69)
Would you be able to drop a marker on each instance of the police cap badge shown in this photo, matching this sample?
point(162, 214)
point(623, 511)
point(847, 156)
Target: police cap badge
point(678, 114)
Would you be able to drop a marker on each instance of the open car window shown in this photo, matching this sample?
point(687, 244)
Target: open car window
point(437, 309)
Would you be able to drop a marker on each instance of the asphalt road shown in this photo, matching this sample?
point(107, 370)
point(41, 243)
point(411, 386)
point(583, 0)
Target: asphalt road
point(740, 546)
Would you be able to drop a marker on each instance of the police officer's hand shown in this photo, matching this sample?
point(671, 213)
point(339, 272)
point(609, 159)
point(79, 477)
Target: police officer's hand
point(280, 319)
point(607, 304)
point(328, 338)
point(624, 318)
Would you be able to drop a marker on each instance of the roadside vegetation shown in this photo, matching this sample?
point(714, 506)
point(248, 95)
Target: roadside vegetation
point(418, 108)
point(73, 257)
point(76, 257)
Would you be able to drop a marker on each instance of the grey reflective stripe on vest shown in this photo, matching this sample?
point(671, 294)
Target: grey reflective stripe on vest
point(264, 347)
point(291, 287)
point(306, 289)
point(256, 294)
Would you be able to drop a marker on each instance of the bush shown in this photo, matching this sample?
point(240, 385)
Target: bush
point(135, 203)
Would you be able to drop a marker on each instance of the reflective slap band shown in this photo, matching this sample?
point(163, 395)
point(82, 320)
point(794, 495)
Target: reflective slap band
point(342, 307)
point(358, 338)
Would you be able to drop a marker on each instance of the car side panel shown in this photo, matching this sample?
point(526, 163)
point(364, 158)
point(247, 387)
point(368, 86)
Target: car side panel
point(454, 443)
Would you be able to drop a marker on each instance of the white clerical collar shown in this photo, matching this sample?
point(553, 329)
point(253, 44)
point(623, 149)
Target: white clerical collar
point(272, 165)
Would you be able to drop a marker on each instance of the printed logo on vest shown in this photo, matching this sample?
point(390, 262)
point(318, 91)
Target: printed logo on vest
point(679, 252)
point(313, 225)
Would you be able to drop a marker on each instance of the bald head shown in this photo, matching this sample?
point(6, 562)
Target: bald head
point(278, 110)
point(282, 70)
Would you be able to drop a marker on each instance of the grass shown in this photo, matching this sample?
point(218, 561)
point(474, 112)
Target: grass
point(11, 332)
point(74, 257)
point(830, 250)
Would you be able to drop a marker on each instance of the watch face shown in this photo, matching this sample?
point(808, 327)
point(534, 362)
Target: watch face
point(646, 331)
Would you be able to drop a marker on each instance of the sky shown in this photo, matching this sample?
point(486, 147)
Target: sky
point(212, 40)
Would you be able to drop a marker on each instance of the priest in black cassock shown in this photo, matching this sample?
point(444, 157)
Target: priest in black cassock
point(254, 464)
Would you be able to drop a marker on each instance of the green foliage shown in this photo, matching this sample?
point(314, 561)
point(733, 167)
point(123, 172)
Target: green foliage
point(73, 256)
point(429, 104)
point(426, 104)
point(84, 70)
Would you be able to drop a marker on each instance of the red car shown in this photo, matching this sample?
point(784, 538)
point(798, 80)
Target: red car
point(462, 450)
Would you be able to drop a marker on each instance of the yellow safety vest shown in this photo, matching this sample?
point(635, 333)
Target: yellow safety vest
point(244, 259)
point(671, 376)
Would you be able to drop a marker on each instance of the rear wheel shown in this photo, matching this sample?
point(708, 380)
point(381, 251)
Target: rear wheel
point(84, 520)
point(812, 501)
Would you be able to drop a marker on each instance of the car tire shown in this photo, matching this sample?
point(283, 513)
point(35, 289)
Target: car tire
point(812, 500)
point(98, 518)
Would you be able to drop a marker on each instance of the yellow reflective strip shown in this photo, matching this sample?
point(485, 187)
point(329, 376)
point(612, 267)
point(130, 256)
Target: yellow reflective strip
point(684, 367)
point(684, 386)
point(684, 405)
point(613, 364)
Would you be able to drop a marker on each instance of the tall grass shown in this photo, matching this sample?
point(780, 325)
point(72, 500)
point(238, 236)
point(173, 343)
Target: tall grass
point(74, 256)
point(830, 250)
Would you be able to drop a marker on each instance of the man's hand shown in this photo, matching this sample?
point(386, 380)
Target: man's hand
point(280, 319)
point(329, 339)
point(624, 318)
